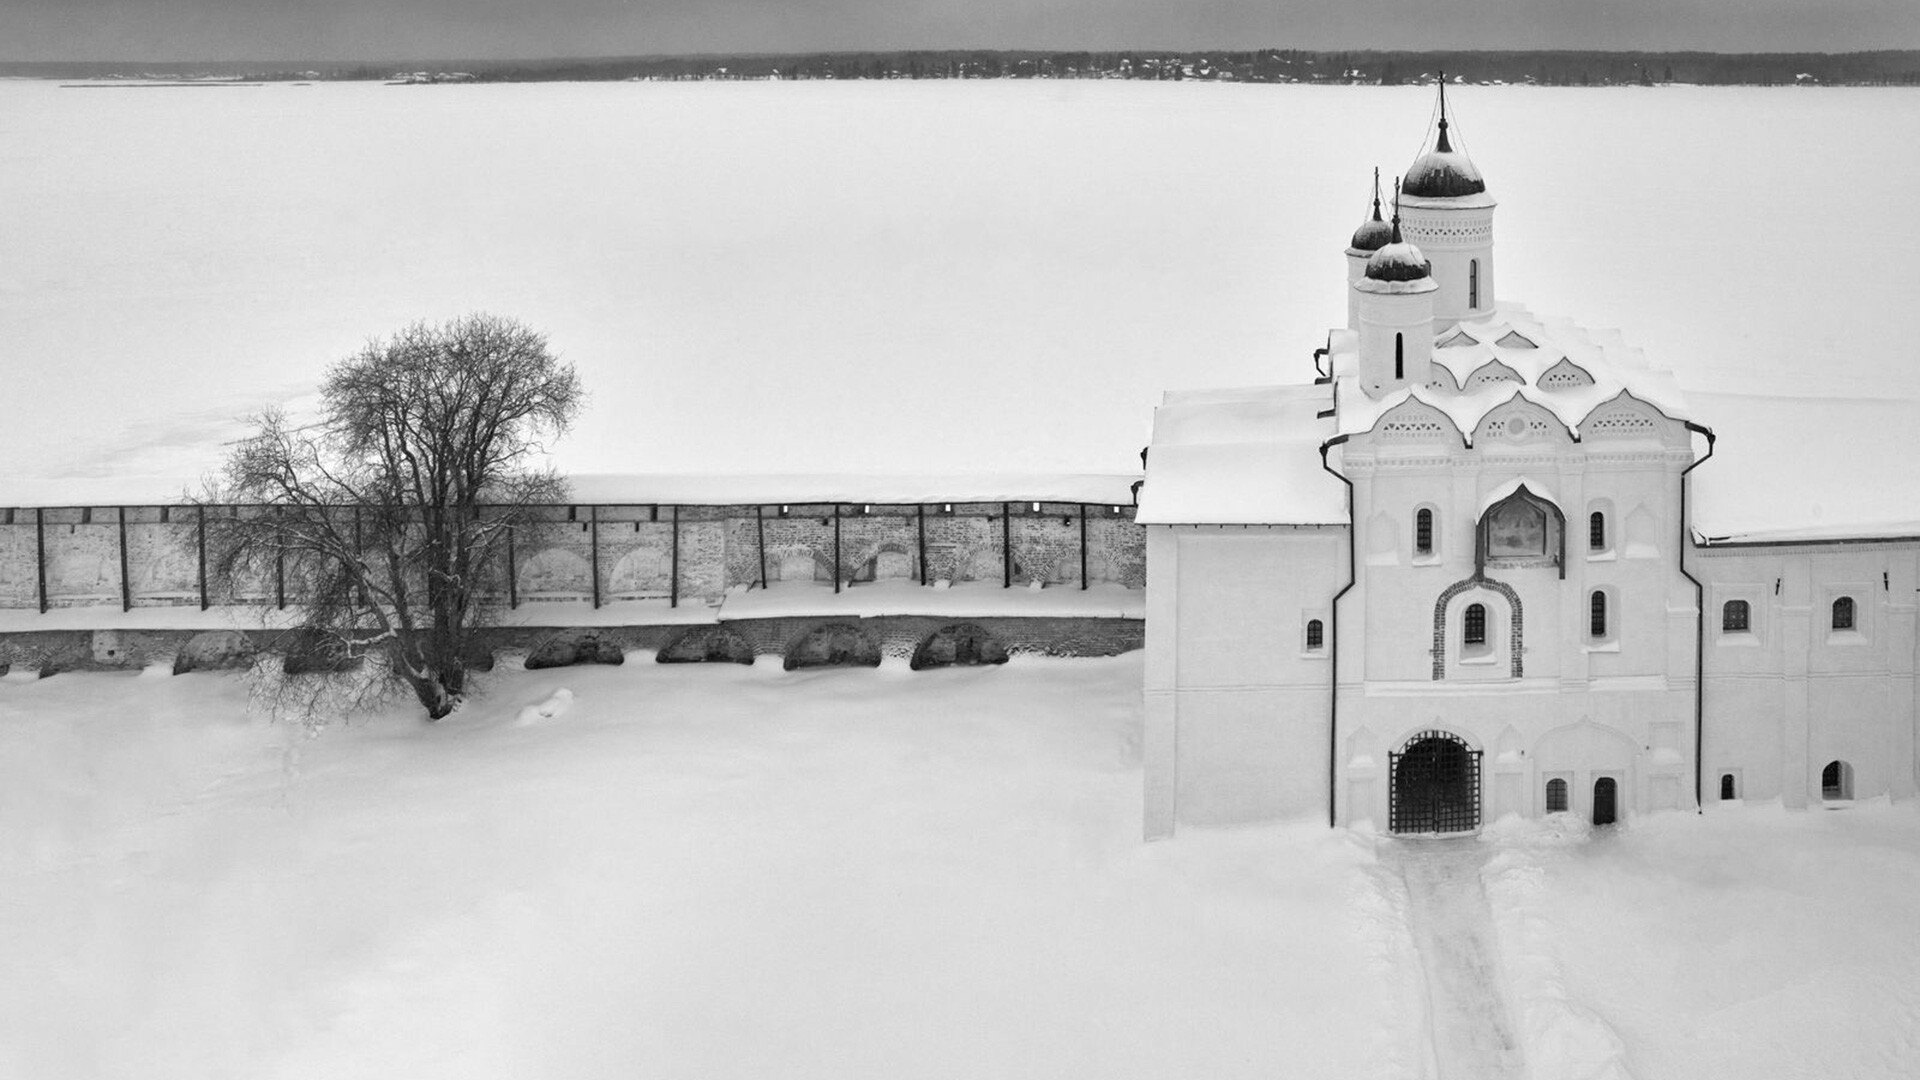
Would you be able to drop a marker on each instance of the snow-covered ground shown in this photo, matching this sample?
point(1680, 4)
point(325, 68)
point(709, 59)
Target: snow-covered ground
point(1750, 942)
point(682, 871)
point(725, 871)
point(954, 278)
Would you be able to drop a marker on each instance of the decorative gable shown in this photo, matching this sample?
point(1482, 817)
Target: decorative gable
point(1564, 375)
point(1624, 417)
point(1459, 339)
point(1491, 372)
point(1514, 339)
point(1519, 420)
point(1414, 421)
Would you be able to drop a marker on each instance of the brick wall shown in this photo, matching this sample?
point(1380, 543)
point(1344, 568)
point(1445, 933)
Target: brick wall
point(630, 550)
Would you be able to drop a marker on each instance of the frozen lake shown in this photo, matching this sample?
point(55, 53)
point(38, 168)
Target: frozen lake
point(886, 277)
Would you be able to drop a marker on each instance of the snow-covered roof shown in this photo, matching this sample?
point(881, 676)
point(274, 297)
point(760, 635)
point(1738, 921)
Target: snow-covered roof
point(1246, 457)
point(1513, 342)
point(1807, 468)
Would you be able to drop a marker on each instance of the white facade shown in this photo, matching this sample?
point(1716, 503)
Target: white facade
point(1458, 578)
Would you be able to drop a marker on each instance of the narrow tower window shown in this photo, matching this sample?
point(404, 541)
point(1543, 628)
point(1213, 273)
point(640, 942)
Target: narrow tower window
point(1597, 614)
point(1596, 531)
point(1733, 617)
point(1423, 531)
point(1476, 624)
point(1399, 356)
point(1473, 283)
point(1843, 613)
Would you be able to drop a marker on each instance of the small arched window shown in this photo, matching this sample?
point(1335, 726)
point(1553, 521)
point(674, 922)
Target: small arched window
point(1316, 636)
point(1476, 624)
point(1843, 613)
point(1727, 791)
point(1597, 531)
point(1733, 617)
point(1473, 283)
point(1836, 781)
point(1556, 796)
point(1597, 614)
point(1399, 356)
point(1423, 531)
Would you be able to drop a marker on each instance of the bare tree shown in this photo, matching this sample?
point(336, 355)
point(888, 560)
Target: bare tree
point(396, 503)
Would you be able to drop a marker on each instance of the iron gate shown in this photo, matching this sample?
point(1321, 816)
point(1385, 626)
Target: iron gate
point(1435, 785)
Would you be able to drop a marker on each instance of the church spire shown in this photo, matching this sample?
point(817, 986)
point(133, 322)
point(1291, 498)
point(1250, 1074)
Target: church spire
point(1442, 145)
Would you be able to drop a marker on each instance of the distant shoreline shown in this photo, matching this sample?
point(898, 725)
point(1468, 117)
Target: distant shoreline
point(1325, 67)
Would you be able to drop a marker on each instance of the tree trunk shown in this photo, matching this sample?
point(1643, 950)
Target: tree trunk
point(433, 694)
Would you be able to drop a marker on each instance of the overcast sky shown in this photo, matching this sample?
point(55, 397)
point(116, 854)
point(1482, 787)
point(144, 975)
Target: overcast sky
point(491, 29)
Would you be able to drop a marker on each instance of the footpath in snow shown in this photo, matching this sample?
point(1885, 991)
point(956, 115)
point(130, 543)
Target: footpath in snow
point(1473, 1037)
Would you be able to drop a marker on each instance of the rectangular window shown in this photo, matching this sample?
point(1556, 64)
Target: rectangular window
point(1596, 531)
point(1597, 615)
point(1476, 624)
point(1843, 613)
point(1315, 635)
point(1423, 532)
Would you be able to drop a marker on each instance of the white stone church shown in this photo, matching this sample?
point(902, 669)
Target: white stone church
point(1460, 576)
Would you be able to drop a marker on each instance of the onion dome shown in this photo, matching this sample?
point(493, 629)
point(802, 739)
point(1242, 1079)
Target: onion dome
point(1374, 233)
point(1398, 260)
point(1443, 172)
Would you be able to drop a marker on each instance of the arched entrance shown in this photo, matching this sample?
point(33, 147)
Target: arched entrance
point(1435, 785)
point(1606, 796)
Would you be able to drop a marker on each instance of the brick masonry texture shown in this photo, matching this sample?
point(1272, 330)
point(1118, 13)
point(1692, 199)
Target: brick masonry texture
point(631, 551)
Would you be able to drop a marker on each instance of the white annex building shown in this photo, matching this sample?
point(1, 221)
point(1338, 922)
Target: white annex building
point(1460, 576)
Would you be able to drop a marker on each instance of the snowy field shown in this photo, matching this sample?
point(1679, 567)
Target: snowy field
point(741, 872)
point(891, 277)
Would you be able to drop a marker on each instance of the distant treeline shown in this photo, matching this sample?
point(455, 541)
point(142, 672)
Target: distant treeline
point(1893, 67)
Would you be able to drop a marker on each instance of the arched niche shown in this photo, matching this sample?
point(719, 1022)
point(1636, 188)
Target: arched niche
point(644, 571)
point(959, 645)
point(554, 572)
point(1519, 530)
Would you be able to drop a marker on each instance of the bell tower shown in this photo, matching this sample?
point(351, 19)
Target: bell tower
point(1448, 212)
point(1393, 303)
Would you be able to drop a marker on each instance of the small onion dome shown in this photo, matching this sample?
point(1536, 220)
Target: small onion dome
point(1442, 173)
point(1399, 261)
point(1373, 234)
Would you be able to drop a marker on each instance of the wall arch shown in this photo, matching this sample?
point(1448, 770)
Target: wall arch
point(554, 572)
point(833, 645)
point(707, 644)
point(961, 644)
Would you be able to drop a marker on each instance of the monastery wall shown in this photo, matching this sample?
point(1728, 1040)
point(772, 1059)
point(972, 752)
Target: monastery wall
point(146, 569)
point(1791, 692)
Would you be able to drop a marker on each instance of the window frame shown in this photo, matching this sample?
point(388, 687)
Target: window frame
point(1845, 603)
point(1727, 620)
point(1566, 792)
